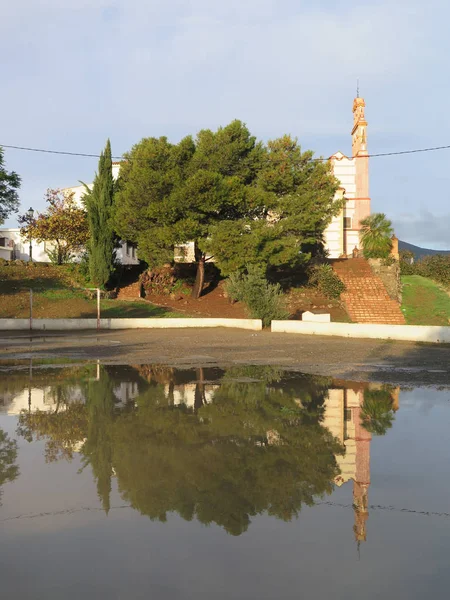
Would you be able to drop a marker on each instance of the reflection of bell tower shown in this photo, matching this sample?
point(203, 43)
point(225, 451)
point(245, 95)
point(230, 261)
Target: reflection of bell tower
point(361, 481)
point(361, 158)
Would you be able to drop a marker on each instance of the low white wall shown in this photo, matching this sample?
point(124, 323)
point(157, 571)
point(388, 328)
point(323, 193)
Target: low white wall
point(14, 324)
point(253, 324)
point(77, 324)
point(412, 333)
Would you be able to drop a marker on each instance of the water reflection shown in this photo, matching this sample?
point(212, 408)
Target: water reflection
point(9, 471)
point(218, 446)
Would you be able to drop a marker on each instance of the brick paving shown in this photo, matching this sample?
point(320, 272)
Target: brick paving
point(366, 298)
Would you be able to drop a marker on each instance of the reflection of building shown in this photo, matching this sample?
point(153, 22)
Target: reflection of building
point(342, 417)
point(126, 391)
point(193, 395)
point(44, 399)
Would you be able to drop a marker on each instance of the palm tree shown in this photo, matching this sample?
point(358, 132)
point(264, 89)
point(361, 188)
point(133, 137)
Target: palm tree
point(376, 233)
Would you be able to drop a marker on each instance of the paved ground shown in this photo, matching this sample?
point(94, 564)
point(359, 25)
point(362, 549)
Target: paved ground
point(403, 363)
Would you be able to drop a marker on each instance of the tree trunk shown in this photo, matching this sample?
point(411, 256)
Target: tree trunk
point(200, 396)
point(199, 278)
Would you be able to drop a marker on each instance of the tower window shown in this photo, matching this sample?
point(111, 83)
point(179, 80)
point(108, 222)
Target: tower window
point(347, 222)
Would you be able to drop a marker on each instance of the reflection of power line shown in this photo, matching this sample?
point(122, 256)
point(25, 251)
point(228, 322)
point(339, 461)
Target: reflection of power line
point(67, 511)
point(71, 511)
point(427, 513)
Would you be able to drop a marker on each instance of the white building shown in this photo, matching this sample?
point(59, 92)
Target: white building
point(342, 235)
point(14, 247)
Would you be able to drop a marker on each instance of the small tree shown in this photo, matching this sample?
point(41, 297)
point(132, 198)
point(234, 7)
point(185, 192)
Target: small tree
point(407, 264)
point(9, 184)
point(376, 234)
point(264, 300)
point(99, 205)
point(64, 224)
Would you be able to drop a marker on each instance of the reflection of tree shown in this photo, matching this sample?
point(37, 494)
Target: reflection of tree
point(97, 449)
point(63, 430)
point(377, 412)
point(9, 471)
point(236, 457)
point(255, 446)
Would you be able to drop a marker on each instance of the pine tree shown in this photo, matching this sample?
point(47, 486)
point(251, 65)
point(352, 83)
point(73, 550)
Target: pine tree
point(99, 204)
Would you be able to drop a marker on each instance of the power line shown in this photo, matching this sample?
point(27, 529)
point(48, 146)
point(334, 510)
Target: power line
point(87, 155)
point(56, 152)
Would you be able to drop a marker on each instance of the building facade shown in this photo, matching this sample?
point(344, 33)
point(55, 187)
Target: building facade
point(342, 235)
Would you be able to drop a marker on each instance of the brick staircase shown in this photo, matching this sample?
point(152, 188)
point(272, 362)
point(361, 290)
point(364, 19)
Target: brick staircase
point(366, 298)
point(130, 292)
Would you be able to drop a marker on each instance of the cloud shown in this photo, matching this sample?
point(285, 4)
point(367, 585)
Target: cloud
point(424, 229)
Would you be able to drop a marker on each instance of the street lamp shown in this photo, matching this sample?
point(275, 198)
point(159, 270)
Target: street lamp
point(30, 215)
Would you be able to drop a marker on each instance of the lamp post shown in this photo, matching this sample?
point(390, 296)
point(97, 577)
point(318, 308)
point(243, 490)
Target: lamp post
point(30, 215)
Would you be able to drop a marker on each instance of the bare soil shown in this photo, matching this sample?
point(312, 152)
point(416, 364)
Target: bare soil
point(215, 303)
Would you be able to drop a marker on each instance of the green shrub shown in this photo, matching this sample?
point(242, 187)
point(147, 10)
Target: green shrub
point(407, 264)
point(436, 267)
point(83, 267)
point(264, 300)
point(388, 261)
point(326, 281)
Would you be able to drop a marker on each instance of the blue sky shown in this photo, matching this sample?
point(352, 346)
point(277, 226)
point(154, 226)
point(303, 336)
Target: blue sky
point(78, 71)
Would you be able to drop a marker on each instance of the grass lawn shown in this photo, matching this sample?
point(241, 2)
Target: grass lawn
point(55, 296)
point(424, 302)
point(127, 309)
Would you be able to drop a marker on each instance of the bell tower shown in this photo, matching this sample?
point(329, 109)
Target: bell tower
point(359, 131)
point(360, 155)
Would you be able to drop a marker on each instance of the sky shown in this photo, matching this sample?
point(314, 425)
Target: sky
point(80, 71)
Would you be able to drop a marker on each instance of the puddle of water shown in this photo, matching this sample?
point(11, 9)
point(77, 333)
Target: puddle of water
point(250, 482)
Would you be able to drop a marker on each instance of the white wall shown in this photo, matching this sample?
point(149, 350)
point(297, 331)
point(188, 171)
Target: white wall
point(80, 324)
point(412, 333)
point(337, 239)
point(22, 247)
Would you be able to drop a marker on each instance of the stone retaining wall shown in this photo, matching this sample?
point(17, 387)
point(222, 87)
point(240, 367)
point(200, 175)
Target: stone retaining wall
point(390, 276)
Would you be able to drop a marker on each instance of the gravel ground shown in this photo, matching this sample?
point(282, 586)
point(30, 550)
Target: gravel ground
point(402, 363)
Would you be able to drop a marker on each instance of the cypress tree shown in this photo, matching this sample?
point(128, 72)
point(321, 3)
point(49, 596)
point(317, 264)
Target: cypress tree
point(99, 205)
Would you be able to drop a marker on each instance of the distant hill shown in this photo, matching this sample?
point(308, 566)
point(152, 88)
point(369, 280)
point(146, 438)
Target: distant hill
point(419, 252)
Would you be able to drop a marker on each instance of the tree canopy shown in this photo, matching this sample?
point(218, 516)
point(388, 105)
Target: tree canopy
point(234, 197)
point(64, 224)
point(295, 203)
point(9, 184)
